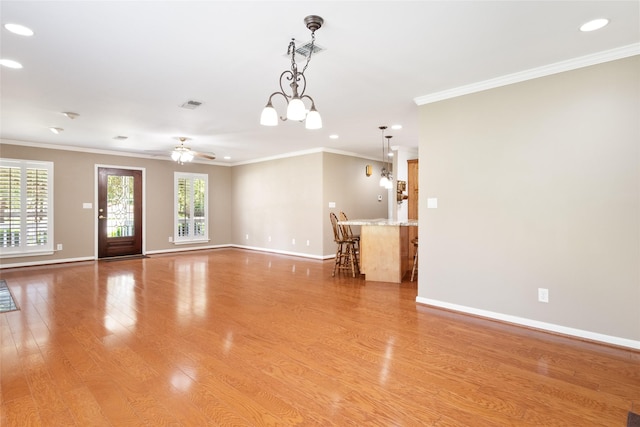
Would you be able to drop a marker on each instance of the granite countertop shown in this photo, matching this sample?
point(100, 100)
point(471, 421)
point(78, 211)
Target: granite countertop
point(380, 221)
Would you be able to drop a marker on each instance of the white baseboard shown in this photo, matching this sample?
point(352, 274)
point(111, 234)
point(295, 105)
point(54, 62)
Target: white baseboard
point(593, 336)
point(172, 250)
point(185, 249)
point(277, 251)
point(46, 262)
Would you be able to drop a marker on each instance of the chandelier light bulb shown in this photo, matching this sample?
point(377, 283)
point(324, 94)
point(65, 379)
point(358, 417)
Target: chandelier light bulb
point(296, 110)
point(269, 116)
point(313, 121)
point(389, 184)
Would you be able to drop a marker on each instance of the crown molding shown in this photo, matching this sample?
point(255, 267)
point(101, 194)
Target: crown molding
point(534, 73)
point(303, 153)
point(99, 151)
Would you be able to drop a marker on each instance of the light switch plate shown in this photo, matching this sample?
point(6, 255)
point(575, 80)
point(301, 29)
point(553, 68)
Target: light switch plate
point(432, 203)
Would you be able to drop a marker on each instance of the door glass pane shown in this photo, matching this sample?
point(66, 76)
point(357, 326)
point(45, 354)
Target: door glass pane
point(120, 219)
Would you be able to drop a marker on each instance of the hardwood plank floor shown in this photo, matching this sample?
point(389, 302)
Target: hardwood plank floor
point(233, 337)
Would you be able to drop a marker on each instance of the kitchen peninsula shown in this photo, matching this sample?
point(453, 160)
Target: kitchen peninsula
point(384, 248)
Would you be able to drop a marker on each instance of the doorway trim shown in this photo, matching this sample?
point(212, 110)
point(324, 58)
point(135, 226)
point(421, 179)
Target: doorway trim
point(95, 204)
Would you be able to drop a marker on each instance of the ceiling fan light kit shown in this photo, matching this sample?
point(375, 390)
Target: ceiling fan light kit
point(296, 109)
point(183, 154)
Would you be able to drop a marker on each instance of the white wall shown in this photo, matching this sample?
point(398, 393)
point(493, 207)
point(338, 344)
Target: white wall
point(538, 185)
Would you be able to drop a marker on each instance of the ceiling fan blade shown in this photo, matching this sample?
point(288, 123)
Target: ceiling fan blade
point(209, 156)
point(157, 153)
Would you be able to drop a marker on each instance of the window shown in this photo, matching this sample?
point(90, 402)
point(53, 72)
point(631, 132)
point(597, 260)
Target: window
point(191, 213)
point(26, 207)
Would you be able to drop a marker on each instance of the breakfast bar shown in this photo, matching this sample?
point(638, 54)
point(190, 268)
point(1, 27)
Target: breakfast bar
point(384, 248)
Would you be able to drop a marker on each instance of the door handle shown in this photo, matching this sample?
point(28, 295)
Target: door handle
point(101, 217)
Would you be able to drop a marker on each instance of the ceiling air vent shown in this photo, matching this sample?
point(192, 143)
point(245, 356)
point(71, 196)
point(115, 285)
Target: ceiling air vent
point(191, 104)
point(305, 49)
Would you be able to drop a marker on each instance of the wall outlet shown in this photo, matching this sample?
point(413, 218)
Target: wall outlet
point(269, 238)
point(543, 295)
point(246, 236)
point(293, 241)
point(307, 243)
point(170, 239)
point(59, 247)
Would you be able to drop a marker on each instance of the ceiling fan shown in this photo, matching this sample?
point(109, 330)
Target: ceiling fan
point(182, 153)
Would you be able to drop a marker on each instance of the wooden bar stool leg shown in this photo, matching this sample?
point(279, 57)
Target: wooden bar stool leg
point(338, 262)
point(415, 264)
point(355, 257)
point(352, 258)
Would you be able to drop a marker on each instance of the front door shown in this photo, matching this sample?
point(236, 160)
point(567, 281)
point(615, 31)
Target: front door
point(119, 212)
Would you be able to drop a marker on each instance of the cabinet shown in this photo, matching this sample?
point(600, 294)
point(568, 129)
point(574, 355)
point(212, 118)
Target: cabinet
point(412, 201)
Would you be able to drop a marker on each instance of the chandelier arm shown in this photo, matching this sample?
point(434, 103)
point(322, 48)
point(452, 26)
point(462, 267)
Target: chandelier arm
point(309, 98)
point(284, 95)
point(303, 79)
point(289, 76)
point(286, 98)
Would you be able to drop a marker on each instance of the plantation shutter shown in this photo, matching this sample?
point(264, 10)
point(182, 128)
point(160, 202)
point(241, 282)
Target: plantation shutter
point(37, 207)
point(191, 214)
point(26, 224)
point(10, 206)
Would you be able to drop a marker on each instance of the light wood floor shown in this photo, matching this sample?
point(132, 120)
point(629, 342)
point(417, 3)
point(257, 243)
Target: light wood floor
point(233, 337)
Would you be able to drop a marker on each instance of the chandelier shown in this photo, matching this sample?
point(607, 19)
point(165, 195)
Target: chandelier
point(296, 109)
point(386, 179)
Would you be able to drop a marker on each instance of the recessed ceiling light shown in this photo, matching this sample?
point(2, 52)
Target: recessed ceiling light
point(396, 127)
point(56, 130)
point(10, 63)
point(227, 157)
point(334, 136)
point(593, 25)
point(18, 29)
point(120, 137)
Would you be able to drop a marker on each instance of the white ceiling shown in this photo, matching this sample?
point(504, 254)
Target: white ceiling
point(127, 66)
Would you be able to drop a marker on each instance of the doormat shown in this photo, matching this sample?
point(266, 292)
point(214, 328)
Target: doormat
point(122, 258)
point(633, 420)
point(6, 299)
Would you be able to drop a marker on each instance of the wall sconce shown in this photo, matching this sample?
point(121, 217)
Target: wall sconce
point(400, 189)
point(368, 170)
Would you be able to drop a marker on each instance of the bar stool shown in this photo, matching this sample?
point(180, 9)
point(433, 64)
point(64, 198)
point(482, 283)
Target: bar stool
point(346, 255)
point(348, 233)
point(415, 258)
